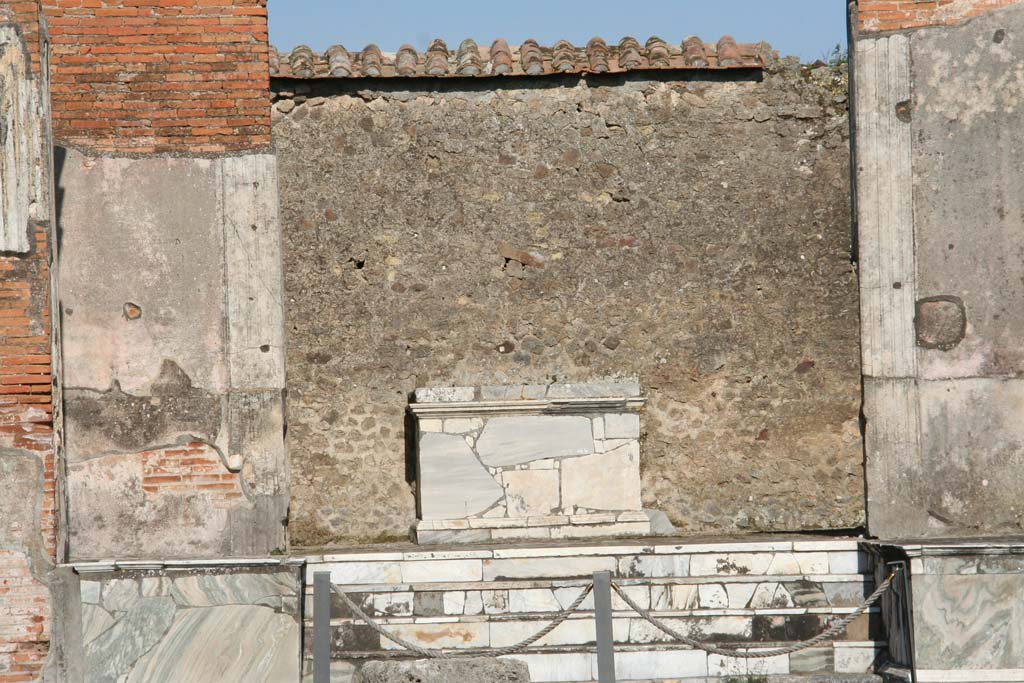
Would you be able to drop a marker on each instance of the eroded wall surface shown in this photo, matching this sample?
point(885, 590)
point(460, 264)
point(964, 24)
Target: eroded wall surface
point(174, 371)
point(694, 232)
point(941, 230)
point(170, 285)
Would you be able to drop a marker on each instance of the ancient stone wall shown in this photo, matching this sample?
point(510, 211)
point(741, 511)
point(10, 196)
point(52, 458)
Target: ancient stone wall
point(692, 230)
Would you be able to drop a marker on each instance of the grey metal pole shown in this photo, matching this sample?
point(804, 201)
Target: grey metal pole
point(605, 635)
point(322, 627)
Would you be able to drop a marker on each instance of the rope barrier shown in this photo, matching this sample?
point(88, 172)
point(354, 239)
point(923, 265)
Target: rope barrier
point(738, 652)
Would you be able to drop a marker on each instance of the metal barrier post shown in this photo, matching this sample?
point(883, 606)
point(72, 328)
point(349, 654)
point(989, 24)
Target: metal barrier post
point(605, 635)
point(322, 627)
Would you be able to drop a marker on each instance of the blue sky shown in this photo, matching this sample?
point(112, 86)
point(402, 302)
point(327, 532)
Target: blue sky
point(806, 28)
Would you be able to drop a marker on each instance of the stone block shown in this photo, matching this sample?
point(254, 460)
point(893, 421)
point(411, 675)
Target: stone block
point(441, 571)
point(428, 603)
point(483, 670)
point(521, 534)
point(207, 590)
point(682, 597)
point(533, 600)
point(726, 666)
point(116, 650)
point(531, 492)
point(570, 632)
point(847, 594)
point(354, 573)
point(546, 568)
point(641, 595)
point(445, 635)
point(454, 602)
point(622, 426)
point(712, 596)
point(495, 601)
point(445, 537)
point(547, 520)
point(90, 591)
point(603, 481)
point(858, 659)
point(815, 660)
point(445, 395)
point(710, 629)
point(845, 562)
point(392, 604)
point(474, 603)
point(740, 594)
point(654, 566)
point(453, 483)
point(770, 596)
point(595, 390)
point(95, 620)
point(508, 441)
point(606, 518)
point(557, 668)
point(224, 643)
point(967, 621)
point(462, 425)
point(567, 595)
point(798, 563)
point(427, 425)
point(730, 564)
point(654, 665)
point(617, 530)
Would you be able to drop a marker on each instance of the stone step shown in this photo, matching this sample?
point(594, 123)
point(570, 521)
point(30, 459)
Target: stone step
point(725, 560)
point(761, 594)
point(345, 672)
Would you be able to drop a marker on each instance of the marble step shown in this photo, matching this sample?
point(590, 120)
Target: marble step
point(775, 596)
point(757, 594)
point(344, 672)
point(733, 561)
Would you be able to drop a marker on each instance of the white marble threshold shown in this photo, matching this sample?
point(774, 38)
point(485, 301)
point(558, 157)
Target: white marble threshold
point(970, 675)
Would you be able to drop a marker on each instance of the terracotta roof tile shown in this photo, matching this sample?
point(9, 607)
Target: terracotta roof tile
point(530, 59)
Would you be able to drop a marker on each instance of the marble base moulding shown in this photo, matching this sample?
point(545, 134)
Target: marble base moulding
point(968, 614)
point(530, 462)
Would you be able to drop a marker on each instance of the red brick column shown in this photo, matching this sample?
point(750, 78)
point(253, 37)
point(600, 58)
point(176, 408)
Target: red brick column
point(160, 75)
point(28, 544)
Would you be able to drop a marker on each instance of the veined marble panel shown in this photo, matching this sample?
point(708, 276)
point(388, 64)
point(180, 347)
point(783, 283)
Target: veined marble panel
point(515, 440)
point(969, 621)
point(226, 643)
point(453, 483)
point(191, 625)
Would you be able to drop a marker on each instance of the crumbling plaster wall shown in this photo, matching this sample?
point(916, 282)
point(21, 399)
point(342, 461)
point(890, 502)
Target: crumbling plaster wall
point(944, 401)
point(693, 231)
point(170, 291)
